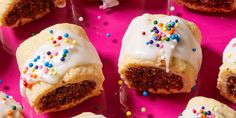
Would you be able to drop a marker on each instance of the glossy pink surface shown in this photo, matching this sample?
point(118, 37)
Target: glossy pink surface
point(217, 31)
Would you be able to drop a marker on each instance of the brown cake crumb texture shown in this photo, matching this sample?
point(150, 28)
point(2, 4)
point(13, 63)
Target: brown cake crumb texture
point(28, 9)
point(145, 78)
point(66, 94)
point(227, 4)
point(231, 85)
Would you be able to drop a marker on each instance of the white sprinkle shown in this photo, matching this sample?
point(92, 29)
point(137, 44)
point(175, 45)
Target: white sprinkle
point(172, 8)
point(162, 57)
point(81, 19)
point(99, 17)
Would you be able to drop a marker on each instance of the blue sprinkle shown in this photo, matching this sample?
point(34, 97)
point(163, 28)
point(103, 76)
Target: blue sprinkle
point(46, 63)
point(0, 81)
point(31, 64)
point(7, 96)
point(145, 93)
point(172, 24)
point(51, 31)
point(35, 60)
point(193, 88)
point(175, 37)
point(66, 35)
point(194, 49)
point(147, 43)
point(38, 57)
point(65, 51)
point(168, 28)
point(155, 38)
point(108, 34)
point(50, 65)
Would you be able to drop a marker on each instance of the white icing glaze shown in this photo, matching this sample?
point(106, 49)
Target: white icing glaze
point(6, 105)
point(229, 55)
point(78, 52)
point(188, 113)
point(109, 3)
point(134, 43)
point(89, 115)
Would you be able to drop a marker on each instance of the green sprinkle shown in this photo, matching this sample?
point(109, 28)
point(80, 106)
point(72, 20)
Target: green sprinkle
point(13, 107)
point(155, 22)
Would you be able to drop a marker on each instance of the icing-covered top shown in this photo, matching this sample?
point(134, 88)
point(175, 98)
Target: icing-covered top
point(151, 36)
point(9, 107)
point(52, 60)
point(229, 55)
point(201, 112)
point(89, 115)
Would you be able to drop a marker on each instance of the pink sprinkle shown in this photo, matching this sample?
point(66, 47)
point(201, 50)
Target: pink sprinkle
point(161, 46)
point(100, 7)
point(58, 44)
point(41, 66)
point(26, 68)
point(46, 70)
point(56, 53)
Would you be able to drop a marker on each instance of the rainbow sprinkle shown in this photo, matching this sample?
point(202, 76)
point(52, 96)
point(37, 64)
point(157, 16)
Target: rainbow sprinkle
point(163, 32)
point(5, 100)
point(43, 63)
point(203, 113)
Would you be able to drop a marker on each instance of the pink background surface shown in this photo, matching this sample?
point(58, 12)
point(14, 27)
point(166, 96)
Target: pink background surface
point(217, 31)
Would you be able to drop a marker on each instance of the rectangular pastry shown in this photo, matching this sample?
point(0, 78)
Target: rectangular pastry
point(59, 68)
point(160, 54)
point(14, 13)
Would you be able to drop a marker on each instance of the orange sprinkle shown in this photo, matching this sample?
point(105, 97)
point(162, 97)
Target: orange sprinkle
point(9, 113)
point(35, 76)
point(51, 56)
point(29, 86)
point(25, 71)
point(171, 32)
point(160, 24)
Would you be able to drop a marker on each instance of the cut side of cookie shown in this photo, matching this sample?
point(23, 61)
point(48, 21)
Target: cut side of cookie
point(15, 13)
point(160, 54)
point(226, 81)
point(59, 68)
point(209, 5)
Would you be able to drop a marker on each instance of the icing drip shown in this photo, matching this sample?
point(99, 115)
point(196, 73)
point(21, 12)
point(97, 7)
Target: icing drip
point(150, 37)
point(63, 51)
point(201, 112)
point(163, 36)
point(229, 55)
point(9, 107)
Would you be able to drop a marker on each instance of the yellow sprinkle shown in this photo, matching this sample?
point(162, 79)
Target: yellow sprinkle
point(162, 38)
point(25, 71)
point(51, 38)
point(176, 24)
point(143, 109)
point(66, 40)
point(229, 55)
point(216, 116)
point(120, 82)
point(74, 42)
point(55, 45)
point(164, 28)
point(33, 70)
point(128, 113)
